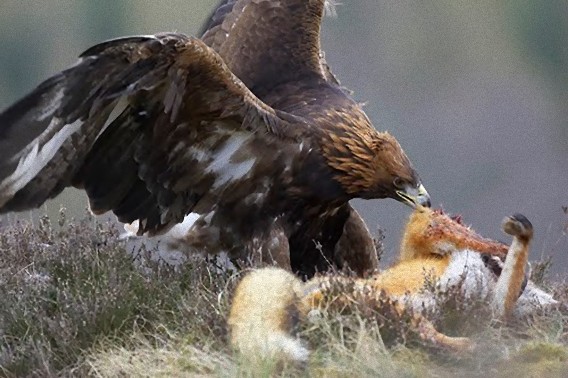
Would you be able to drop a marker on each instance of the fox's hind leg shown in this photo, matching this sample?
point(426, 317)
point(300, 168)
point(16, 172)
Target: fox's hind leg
point(510, 282)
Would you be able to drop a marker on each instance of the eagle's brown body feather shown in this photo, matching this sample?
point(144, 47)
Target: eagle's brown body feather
point(246, 126)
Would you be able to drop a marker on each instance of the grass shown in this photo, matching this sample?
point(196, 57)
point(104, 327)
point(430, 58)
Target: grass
point(75, 302)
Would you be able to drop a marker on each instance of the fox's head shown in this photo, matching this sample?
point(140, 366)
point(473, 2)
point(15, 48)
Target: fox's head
point(432, 233)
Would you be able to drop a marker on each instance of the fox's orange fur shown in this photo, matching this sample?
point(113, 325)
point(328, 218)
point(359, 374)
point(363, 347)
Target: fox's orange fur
point(436, 247)
point(432, 233)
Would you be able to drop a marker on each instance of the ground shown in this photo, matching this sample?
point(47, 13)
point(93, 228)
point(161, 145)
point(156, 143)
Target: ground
point(74, 301)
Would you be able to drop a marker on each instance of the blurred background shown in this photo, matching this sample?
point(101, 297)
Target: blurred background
point(476, 93)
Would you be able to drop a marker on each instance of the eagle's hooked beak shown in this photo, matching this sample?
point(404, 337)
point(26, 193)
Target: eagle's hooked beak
point(414, 196)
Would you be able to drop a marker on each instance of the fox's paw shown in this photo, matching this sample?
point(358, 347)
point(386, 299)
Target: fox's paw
point(517, 225)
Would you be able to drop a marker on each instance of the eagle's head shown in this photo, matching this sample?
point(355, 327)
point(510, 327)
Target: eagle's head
point(370, 164)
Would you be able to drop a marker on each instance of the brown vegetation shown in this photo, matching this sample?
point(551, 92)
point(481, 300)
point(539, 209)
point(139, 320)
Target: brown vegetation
point(74, 301)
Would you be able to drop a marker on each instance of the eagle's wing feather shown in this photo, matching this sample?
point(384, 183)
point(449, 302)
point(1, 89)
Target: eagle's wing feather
point(216, 18)
point(269, 42)
point(148, 126)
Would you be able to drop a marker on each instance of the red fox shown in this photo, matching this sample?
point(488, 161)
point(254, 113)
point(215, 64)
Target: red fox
point(268, 303)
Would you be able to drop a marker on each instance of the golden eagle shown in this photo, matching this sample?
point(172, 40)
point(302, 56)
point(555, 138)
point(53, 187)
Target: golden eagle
point(245, 126)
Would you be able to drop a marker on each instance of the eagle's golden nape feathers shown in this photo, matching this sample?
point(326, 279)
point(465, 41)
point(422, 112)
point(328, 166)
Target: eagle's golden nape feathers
point(245, 123)
point(371, 164)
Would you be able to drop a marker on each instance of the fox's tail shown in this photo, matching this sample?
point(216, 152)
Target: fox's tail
point(265, 311)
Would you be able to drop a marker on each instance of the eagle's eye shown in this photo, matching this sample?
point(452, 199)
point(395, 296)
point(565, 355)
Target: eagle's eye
point(398, 183)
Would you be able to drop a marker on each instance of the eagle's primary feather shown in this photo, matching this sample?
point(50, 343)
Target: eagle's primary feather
point(246, 126)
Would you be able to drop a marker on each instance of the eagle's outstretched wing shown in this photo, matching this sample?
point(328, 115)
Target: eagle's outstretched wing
point(266, 42)
point(149, 126)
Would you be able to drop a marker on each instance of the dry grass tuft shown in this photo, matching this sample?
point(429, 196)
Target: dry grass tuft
point(64, 291)
point(170, 356)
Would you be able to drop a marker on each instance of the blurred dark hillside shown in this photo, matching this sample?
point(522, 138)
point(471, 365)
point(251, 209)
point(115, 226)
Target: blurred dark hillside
point(476, 92)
